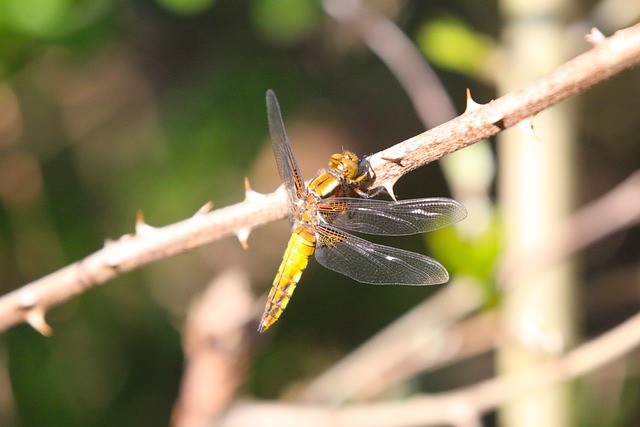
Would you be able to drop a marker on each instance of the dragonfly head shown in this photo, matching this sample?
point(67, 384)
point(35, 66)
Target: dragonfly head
point(346, 164)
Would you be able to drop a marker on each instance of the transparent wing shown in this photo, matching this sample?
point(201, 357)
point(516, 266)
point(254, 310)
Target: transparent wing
point(375, 264)
point(383, 217)
point(287, 165)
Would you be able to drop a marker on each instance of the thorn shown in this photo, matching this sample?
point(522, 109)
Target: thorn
point(526, 126)
point(243, 235)
point(142, 228)
point(471, 104)
point(389, 187)
point(396, 160)
point(495, 117)
point(595, 36)
point(35, 318)
point(249, 194)
point(204, 209)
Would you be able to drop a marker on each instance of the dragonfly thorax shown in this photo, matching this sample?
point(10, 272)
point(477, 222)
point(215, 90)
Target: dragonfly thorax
point(305, 211)
point(346, 174)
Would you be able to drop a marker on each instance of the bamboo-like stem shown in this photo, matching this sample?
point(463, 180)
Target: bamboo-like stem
point(608, 57)
point(537, 313)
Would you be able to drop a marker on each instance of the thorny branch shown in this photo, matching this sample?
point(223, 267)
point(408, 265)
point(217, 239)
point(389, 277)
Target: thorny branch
point(148, 244)
point(608, 57)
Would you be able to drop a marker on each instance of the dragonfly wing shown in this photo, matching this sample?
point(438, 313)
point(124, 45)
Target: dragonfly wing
point(375, 264)
point(287, 165)
point(383, 217)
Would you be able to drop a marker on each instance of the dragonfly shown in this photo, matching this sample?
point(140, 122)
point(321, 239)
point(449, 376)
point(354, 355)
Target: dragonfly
point(322, 217)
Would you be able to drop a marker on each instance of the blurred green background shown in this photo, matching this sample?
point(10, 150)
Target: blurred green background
point(110, 107)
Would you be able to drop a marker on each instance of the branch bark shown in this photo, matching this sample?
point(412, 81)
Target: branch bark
point(608, 57)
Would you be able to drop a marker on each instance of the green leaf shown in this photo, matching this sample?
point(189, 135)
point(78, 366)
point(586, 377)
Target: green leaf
point(475, 257)
point(451, 44)
point(40, 18)
point(285, 21)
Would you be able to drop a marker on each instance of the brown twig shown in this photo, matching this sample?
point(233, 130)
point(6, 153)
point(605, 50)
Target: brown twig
point(425, 330)
point(618, 209)
point(216, 346)
point(429, 97)
point(608, 57)
point(461, 407)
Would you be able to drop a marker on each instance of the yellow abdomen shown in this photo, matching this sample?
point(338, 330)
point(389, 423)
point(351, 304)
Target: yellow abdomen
point(301, 246)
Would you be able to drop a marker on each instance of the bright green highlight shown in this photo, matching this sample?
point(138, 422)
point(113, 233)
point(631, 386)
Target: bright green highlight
point(451, 44)
point(186, 7)
point(285, 21)
point(40, 18)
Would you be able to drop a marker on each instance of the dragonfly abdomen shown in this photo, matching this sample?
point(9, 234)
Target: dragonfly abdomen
point(300, 247)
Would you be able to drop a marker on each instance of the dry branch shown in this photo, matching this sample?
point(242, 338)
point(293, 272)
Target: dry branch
point(460, 407)
point(30, 302)
point(216, 348)
point(608, 57)
point(401, 56)
point(423, 331)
